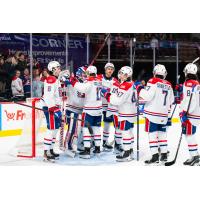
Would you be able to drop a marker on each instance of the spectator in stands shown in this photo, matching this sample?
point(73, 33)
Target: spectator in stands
point(143, 82)
point(26, 80)
point(36, 72)
point(119, 44)
point(45, 74)
point(1, 60)
point(16, 85)
point(38, 86)
point(22, 64)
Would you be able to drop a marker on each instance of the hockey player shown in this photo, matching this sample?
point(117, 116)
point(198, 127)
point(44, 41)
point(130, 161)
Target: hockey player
point(51, 101)
point(74, 108)
point(125, 99)
point(107, 82)
point(92, 110)
point(159, 97)
point(190, 120)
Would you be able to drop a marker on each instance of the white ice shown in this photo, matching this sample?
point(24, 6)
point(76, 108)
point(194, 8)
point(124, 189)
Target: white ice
point(7, 143)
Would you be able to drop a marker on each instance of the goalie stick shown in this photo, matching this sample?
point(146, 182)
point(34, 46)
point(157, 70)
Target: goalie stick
point(180, 139)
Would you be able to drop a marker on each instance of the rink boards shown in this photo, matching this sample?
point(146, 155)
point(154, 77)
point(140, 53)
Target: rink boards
point(14, 117)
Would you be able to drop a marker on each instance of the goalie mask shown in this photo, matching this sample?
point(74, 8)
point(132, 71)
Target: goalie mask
point(81, 73)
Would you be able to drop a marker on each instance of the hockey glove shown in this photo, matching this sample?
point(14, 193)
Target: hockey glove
point(73, 80)
point(67, 82)
point(169, 121)
point(138, 86)
point(179, 88)
point(54, 109)
point(183, 117)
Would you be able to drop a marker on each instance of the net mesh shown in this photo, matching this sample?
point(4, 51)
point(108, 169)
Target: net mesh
point(30, 141)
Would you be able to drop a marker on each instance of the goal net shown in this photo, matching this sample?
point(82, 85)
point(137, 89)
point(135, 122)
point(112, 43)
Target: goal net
point(30, 142)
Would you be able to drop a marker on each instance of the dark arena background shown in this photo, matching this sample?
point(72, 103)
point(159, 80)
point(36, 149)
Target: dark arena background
point(140, 51)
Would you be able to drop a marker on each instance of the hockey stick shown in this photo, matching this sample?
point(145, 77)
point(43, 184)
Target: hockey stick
point(173, 111)
point(179, 143)
point(194, 61)
point(99, 51)
point(138, 110)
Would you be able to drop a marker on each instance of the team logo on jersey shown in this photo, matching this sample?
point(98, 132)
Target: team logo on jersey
point(80, 95)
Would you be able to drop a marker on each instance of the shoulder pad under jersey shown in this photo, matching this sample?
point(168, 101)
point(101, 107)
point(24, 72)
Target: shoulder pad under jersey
point(155, 80)
point(51, 79)
point(190, 83)
point(126, 85)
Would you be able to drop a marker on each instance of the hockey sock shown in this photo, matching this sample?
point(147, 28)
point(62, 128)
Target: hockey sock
point(97, 135)
point(48, 136)
point(153, 142)
point(192, 145)
point(86, 137)
point(118, 136)
point(162, 141)
point(126, 137)
point(132, 137)
point(106, 131)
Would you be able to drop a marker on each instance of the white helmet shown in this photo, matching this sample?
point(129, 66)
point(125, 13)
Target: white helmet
point(160, 70)
point(53, 65)
point(111, 65)
point(126, 70)
point(91, 70)
point(190, 68)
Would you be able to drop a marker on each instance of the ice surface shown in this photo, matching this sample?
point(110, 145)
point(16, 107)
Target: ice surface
point(106, 158)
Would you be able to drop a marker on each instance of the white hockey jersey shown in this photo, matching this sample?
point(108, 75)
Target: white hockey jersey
point(159, 97)
point(106, 83)
point(194, 110)
point(75, 100)
point(93, 100)
point(113, 109)
point(52, 92)
point(125, 98)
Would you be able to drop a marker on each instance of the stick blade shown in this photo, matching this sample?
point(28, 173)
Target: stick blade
point(170, 163)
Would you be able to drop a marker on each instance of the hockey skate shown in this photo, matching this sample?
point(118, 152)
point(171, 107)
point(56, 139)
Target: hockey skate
point(163, 157)
point(70, 152)
point(56, 155)
point(153, 160)
point(85, 154)
point(192, 161)
point(107, 147)
point(97, 151)
point(159, 151)
point(48, 158)
point(118, 148)
point(124, 156)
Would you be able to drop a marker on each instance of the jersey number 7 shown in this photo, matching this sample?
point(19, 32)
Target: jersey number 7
point(165, 92)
